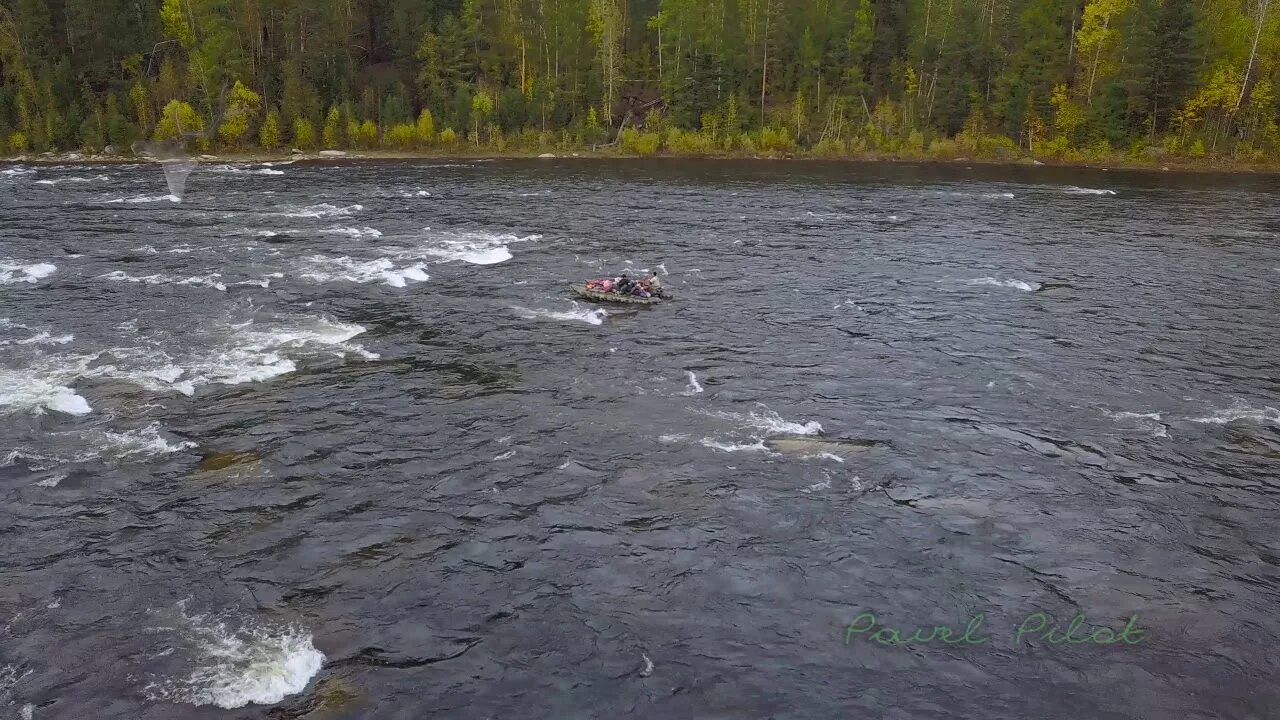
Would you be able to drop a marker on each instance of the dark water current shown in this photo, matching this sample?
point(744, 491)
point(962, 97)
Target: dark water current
point(333, 441)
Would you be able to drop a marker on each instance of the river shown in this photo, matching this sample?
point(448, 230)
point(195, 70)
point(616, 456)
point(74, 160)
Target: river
point(334, 440)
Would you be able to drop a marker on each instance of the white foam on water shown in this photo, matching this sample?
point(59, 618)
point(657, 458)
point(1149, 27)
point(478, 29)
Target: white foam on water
point(1242, 412)
point(999, 196)
point(12, 272)
point(818, 486)
point(43, 337)
point(29, 391)
point(485, 256)
point(98, 178)
point(145, 442)
point(242, 170)
point(476, 248)
point(577, 314)
point(694, 388)
point(1073, 190)
point(275, 233)
point(263, 282)
point(827, 216)
point(757, 446)
point(355, 232)
point(239, 662)
point(148, 199)
point(1147, 421)
point(16, 171)
point(1012, 283)
point(344, 269)
point(671, 439)
point(10, 676)
point(415, 194)
point(231, 355)
point(505, 456)
point(209, 281)
point(49, 482)
point(98, 443)
point(255, 355)
point(768, 421)
point(324, 210)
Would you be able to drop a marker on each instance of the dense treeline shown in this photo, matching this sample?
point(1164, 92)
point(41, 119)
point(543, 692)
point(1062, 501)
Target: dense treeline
point(1053, 78)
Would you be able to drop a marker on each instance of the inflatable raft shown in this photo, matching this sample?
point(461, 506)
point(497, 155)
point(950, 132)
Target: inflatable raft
point(597, 296)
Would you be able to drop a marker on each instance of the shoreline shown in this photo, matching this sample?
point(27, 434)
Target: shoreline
point(1118, 164)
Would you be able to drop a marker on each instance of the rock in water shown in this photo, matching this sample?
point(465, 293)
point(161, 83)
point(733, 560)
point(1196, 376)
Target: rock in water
point(813, 444)
point(230, 466)
point(332, 698)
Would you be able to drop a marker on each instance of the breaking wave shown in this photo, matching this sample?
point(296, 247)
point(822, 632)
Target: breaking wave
point(31, 391)
point(768, 422)
point(1149, 421)
point(128, 445)
point(355, 232)
point(694, 387)
point(209, 281)
point(1242, 412)
point(324, 210)
point(13, 272)
point(242, 170)
point(327, 269)
point(757, 446)
point(577, 314)
point(98, 178)
point(1018, 284)
point(476, 248)
point(238, 661)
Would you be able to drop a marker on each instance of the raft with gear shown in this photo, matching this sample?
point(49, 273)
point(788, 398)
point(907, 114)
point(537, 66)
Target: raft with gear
point(614, 297)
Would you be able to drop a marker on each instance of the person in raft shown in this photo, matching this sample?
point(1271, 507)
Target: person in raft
point(624, 285)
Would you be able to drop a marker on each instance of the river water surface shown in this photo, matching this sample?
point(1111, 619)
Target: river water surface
point(333, 440)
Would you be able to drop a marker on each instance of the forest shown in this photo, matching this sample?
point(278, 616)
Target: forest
point(1069, 80)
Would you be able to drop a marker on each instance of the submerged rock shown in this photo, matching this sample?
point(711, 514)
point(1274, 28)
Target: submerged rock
point(1049, 287)
point(816, 444)
point(331, 698)
point(224, 466)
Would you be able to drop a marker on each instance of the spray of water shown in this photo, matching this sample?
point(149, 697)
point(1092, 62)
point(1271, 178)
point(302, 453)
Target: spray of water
point(172, 153)
point(173, 159)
